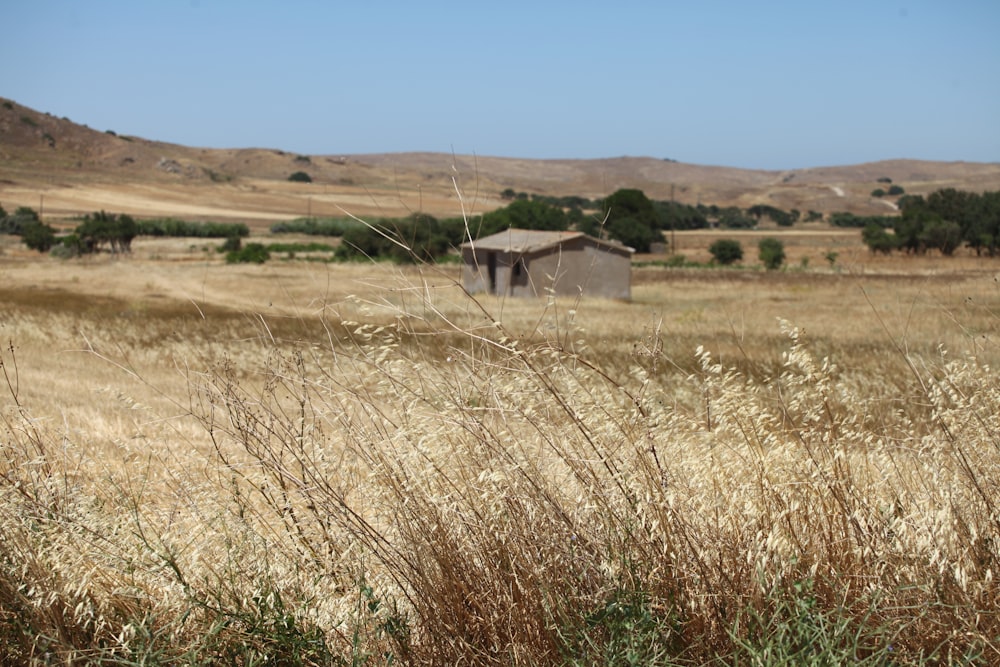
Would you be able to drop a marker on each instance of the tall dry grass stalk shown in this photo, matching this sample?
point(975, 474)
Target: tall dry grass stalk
point(422, 477)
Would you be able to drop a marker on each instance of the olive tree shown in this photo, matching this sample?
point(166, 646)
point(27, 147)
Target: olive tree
point(726, 251)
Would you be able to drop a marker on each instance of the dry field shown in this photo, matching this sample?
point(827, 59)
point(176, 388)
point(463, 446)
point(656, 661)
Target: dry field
point(360, 464)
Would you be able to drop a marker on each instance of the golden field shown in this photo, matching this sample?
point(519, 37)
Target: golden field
point(309, 463)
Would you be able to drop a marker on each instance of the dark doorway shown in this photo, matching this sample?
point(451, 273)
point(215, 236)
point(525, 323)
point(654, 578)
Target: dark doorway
point(491, 270)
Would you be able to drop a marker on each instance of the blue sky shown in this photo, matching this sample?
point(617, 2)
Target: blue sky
point(769, 85)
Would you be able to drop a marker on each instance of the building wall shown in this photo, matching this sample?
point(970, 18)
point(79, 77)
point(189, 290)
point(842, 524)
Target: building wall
point(582, 265)
point(579, 264)
point(476, 270)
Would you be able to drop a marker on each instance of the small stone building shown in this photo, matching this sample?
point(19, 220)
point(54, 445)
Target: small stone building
point(521, 262)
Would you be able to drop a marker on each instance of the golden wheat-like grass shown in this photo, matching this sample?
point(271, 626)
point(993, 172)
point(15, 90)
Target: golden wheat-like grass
point(354, 463)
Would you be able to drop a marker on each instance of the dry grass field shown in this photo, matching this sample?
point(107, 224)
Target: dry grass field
point(307, 463)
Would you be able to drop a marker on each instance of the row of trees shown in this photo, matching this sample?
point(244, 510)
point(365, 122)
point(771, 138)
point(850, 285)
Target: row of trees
point(627, 215)
point(943, 221)
point(105, 231)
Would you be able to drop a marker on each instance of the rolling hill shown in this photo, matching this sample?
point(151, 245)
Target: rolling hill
point(67, 169)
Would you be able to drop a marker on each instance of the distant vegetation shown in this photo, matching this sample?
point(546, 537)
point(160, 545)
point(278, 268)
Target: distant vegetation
point(316, 226)
point(16, 222)
point(182, 228)
point(102, 231)
point(771, 252)
point(418, 237)
point(300, 177)
point(944, 221)
point(844, 219)
point(251, 253)
point(726, 251)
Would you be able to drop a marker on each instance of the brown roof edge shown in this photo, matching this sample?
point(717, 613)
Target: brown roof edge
point(532, 240)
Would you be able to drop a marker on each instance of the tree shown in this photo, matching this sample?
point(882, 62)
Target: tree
point(771, 252)
point(524, 214)
point(734, 218)
point(943, 235)
point(726, 251)
point(632, 233)
point(631, 203)
point(300, 177)
point(878, 239)
point(38, 236)
point(781, 218)
point(102, 228)
point(590, 225)
point(908, 226)
point(982, 233)
point(15, 223)
point(673, 215)
point(417, 238)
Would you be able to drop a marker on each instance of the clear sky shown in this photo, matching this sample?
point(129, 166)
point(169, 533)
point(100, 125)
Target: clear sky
point(771, 85)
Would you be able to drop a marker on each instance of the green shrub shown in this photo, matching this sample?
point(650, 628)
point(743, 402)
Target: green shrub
point(771, 253)
point(232, 244)
point(878, 192)
point(299, 247)
point(794, 628)
point(895, 190)
point(845, 219)
point(300, 177)
point(182, 228)
point(251, 253)
point(67, 248)
point(316, 226)
point(726, 251)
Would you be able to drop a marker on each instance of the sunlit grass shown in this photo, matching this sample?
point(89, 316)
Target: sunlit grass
point(362, 464)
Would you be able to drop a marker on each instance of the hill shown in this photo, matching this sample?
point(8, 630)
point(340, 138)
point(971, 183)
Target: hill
point(66, 169)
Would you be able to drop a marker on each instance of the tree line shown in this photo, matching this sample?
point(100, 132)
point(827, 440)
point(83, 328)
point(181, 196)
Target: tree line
point(944, 221)
point(103, 231)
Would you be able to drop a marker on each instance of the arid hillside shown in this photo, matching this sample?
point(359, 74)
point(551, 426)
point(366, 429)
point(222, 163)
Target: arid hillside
point(66, 169)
